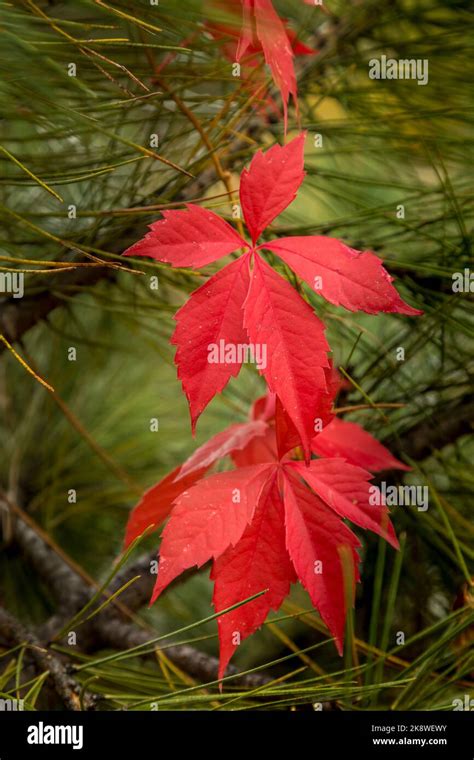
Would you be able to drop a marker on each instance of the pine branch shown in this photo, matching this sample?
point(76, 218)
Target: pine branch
point(65, 584)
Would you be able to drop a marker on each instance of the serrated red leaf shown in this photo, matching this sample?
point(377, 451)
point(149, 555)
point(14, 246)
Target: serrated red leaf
point(261, 21)
point(258, 562)
point(258, 451)
point(188, 238)
point(277, 50)
point(233, 438)
point(240, 42)
point(244, 536)
point(346, 489)
point(156, 503)
point(208, 518)
point(212, 314)
point(276, 316)
point(326, 404)
point(270, 183)
point(354, 444)
point(342, 275)
point(263, 408)
point(298, 47)
point(287, 436)
point(315, 535)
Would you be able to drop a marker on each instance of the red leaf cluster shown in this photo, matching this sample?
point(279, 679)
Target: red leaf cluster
point(271, 520)
point(248, 303)
point(274, 518)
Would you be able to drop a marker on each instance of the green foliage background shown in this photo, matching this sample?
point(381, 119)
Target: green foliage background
point(87, 138)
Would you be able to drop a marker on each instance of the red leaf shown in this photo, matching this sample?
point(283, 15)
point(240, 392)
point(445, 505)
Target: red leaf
point(259, 561)
point(207, 519)
point(258, 450)
point(236, 519)
point(270, 183)
point(263, 408)
point(287, 437)
point(345, 488)
point(188, 238)
point(277, 50)
point(246, 42)
point(326, 407)
point(276, 316)
point(156, 503)
point(299, 48)
point(342, 275)
point(259, 16)
point(248, 49)
point(315, 535)
point(356, 446)
point(233, 438)
point(212, 314)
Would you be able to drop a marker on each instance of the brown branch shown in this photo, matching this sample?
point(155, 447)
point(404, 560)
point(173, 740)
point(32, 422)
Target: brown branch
point(139, 593)
point(64, 583)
